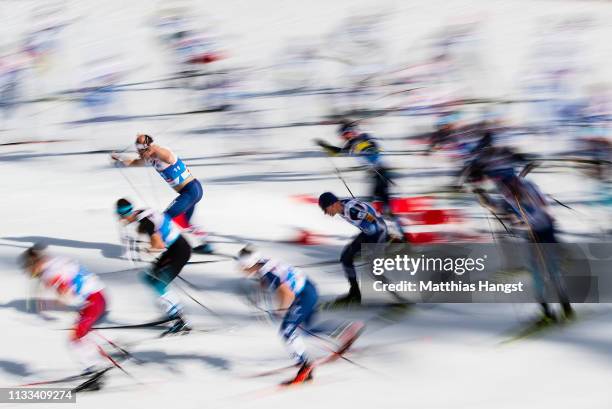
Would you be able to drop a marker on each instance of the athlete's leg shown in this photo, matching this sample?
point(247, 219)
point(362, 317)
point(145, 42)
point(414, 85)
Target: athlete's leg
point(181, 253)
point(165, 269)
point(298, 315)
point(92, 311)
point(199, 192)
point(550, 253)
point(181, 210)
point(381, 192)
point(347, 259)
point(185, 202)
point(87, 351)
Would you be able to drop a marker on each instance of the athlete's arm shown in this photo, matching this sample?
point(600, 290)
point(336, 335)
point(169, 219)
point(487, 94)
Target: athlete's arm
point(157, 244)
point(359, 212)
point(146, 226)
point(285, 297)
point(163, 154)
point(128, 162)
point(330, 149)
point(158, 152)
point(283, 292)
point(62, 291)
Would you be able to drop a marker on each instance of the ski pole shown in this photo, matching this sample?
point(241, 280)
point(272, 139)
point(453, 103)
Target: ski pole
point(196, 301)
point(119, 348)
point(340, 177)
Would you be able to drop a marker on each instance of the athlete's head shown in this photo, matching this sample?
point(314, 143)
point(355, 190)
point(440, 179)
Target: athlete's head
point(143, 145)
point(32, 259)
point(329, 203)
point(348, 129)
point(125, 210)
point(249, 260)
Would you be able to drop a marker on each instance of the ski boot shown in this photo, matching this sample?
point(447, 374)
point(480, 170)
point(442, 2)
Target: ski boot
point(568, 311)
point(304, 375)
point(547, 318)
point(352, 298)
point(179, 326)
point(94, 383)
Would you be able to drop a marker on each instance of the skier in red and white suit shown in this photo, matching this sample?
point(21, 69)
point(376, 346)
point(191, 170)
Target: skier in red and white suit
point(69, 279)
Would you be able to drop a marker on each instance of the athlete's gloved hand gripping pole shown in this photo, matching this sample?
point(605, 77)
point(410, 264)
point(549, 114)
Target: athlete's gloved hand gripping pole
point(116, 155)
point(333, 148)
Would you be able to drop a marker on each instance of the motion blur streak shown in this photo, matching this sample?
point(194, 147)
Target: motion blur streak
point(480, 121)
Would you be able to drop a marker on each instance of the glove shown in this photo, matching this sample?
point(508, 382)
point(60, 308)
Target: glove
point(331, 150)
point(117, 160)
point(321, 143)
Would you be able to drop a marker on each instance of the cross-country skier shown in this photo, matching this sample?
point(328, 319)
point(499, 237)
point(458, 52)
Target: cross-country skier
point(69, 279)
point(447, 129)
point(528, 208)
point(297, 299)
point(373, 231)
point(174, 171)
point(175, 251)
point(494, 161)
point(361, 145)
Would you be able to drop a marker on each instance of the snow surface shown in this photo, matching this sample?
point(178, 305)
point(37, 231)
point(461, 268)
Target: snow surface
point(440, 356)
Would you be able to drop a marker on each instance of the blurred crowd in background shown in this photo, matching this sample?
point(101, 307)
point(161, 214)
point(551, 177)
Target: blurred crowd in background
point(441, 92)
